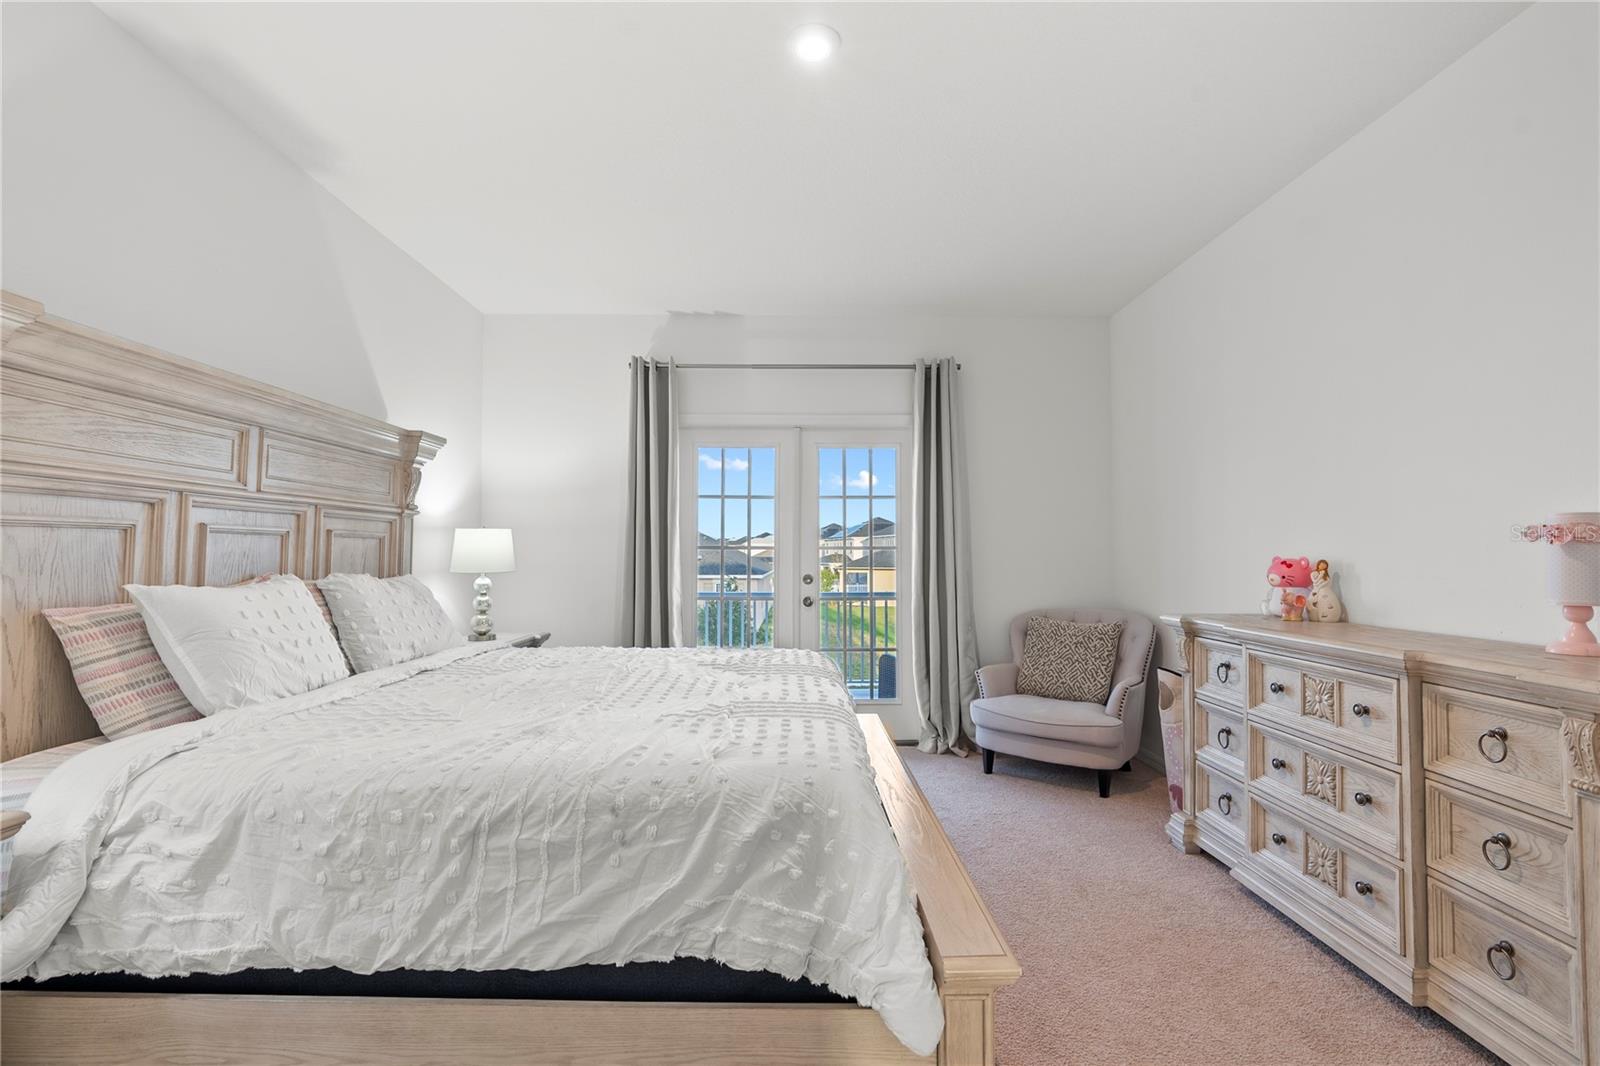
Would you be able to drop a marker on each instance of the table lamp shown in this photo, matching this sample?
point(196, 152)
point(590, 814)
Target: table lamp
point(1573, 575)
point(482, 552)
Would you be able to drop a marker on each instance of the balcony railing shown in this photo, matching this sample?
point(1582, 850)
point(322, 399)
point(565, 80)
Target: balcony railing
point(861, 636)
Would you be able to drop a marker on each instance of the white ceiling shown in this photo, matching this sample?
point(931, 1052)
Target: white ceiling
point(991, 158)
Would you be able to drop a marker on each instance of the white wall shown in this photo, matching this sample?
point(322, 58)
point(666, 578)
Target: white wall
point(555, 445)
point(1387, 364)
point(135, 204)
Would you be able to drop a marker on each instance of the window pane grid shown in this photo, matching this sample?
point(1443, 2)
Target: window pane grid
point(734, 558)
point(857, 623)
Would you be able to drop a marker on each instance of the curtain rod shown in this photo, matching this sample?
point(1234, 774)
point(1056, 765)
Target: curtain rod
point(798, 366)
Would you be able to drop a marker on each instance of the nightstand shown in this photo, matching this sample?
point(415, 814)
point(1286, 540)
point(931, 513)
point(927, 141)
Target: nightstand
point(529, 640)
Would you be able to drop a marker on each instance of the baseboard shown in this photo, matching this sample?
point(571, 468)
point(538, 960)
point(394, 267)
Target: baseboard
point(1156, 760)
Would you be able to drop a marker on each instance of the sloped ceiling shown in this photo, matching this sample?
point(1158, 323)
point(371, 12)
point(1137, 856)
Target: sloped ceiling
point(982, 158)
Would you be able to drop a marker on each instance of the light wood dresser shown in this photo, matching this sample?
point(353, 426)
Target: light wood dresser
point(1428, 806)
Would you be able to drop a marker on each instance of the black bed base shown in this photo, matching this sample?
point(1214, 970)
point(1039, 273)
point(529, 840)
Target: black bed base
point(679, 981)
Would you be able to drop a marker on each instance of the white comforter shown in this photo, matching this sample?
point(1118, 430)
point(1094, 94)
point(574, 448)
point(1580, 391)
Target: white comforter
point(519, 809)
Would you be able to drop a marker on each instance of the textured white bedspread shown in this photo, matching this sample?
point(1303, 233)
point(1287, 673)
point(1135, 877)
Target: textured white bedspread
point(526, 809)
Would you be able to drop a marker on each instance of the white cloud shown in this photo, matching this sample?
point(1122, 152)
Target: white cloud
point(711, 462)
point(863, 480)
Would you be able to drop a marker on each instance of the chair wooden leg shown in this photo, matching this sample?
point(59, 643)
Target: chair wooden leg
point(1127, 766)
point(1105, 783)
point(988, 761)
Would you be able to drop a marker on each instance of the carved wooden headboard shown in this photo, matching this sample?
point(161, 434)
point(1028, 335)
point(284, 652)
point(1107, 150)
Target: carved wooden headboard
point(121, 464)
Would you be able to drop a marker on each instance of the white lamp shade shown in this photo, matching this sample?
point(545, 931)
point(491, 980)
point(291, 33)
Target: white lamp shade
point(482, 551)
point(1574, 567)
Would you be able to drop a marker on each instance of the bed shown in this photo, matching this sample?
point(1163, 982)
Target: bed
point(122, 464)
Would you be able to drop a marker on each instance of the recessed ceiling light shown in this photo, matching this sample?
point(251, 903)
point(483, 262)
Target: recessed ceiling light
point(815, 43)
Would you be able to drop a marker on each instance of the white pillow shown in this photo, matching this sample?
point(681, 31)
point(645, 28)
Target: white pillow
point(387, 620)
point(230, 647)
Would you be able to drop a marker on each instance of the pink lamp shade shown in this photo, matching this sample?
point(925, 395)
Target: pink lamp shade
point(1573, 576)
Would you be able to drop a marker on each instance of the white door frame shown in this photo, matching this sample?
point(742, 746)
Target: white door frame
point(796, 515)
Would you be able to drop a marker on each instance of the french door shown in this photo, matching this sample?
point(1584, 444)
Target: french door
point(791, 540)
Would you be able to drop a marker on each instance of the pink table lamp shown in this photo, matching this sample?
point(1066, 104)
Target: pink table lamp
point(1574, 575)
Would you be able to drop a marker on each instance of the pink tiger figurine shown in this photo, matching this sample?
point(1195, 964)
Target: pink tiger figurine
point(1290, 581)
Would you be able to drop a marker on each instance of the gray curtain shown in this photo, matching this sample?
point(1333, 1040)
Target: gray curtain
point(946, 661)
point(650, 595)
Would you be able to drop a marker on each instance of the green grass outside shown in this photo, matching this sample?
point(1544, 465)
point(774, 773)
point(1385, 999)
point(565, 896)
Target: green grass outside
point(831, 616)
point(833, 633)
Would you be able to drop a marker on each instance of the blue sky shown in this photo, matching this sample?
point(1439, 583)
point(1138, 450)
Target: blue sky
point(846, 478)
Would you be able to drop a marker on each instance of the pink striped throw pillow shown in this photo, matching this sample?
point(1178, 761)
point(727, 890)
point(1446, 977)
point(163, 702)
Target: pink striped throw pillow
point(122, 679)
point(118, 670)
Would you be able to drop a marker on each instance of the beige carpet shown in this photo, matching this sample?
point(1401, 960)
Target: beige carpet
point(1135, 953)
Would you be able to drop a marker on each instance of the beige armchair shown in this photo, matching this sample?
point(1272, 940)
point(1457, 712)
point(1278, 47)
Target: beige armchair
point(1071, 734)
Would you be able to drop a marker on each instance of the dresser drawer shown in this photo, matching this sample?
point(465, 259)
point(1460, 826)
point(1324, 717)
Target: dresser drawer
point(1525, 862)
point(1510, 749)
point(1220, 737)
point(1219, 673)
point(1362, 891)
point(1344, 707)
point(1361, 799)
point(1219, 806)
point(1512, 970)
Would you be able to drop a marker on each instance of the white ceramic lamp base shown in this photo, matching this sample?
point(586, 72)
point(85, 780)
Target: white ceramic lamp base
point(1579, 639)
point(482, 624)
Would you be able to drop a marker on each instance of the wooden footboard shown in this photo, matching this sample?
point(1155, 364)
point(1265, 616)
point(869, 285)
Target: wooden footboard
point(970, 963)
point(971, 960)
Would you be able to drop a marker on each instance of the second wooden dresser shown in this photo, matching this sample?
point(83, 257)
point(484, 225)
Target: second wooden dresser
point(1428, 806)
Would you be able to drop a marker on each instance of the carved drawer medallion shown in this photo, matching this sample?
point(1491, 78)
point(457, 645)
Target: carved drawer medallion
point(1318, 700)
point(1322, 781)
point(1322, 862)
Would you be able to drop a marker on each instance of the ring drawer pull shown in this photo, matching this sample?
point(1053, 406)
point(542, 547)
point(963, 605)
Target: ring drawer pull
point(1279, 839)
point(1498, 735)
point(1363, 799)
point(1225, 803)
point(1363, 888)
point(1360, 710)
point(1279, 764)
point(1225, 737)
point(1224, 671)
point(1503, 842)
point(1275, 688)
point(1502, 950)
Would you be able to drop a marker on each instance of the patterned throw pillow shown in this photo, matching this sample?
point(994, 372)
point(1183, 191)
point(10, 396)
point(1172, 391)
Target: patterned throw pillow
point(322, 605)
point(119, 674)
point(234, 647)
point(1069, 660)
point(118, 671)
point(382, 621)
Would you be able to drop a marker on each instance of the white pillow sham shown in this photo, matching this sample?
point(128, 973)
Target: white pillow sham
point(383, 621)
point(230, 647)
